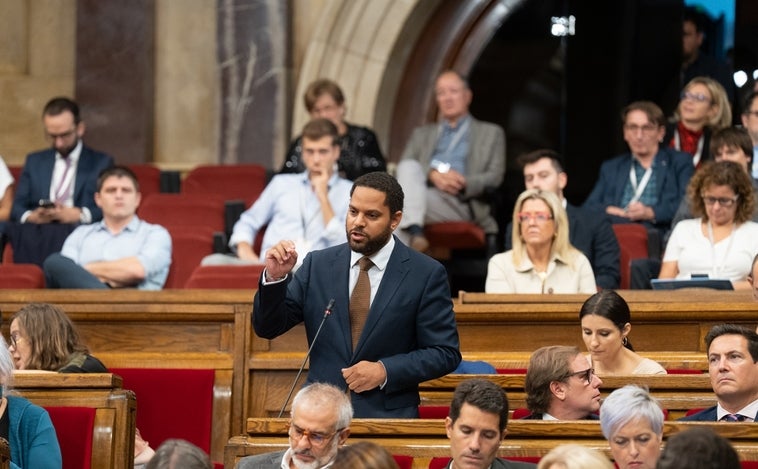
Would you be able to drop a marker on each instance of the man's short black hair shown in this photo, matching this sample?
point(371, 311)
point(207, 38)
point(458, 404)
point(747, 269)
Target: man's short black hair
point(62, 104)
point(734, 329)
point(482, 394)
point(536, 155)
point(383, 182)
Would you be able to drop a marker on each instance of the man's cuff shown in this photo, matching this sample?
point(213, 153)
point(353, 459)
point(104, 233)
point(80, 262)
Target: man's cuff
point(266, 281)
point(385, 375)
point(85, 216)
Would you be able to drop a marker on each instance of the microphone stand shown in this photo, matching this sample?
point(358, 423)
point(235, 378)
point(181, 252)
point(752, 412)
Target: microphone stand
point(327, 312)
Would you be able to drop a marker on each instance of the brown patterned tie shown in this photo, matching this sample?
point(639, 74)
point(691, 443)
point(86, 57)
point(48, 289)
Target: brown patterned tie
point(360, 300)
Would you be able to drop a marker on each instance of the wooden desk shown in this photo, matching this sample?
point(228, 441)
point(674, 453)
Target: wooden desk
point(201, 329)
point(113, 435)
point(425, 439)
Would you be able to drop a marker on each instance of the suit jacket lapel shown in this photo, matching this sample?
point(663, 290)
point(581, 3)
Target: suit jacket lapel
point(46, 172)
point(342, 298)
point(82, 171)
point(394, 276)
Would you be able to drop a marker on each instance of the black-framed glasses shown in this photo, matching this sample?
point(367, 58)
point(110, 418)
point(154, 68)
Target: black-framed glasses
point(723, 201)
point(584, 375)
point(62, 136)
point(316, 438)
point(15, 337)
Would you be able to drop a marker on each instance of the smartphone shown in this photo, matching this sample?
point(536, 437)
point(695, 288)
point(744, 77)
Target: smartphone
point(46, 203)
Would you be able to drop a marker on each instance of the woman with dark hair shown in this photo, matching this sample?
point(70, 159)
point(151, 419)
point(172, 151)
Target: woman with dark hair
point(722, 242)
point(606, 323)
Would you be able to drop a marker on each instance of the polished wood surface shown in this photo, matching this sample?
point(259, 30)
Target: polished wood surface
point(425, 439)
point(115, 409)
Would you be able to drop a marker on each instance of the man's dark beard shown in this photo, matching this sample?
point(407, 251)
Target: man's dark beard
point(371, 245)
point(67, 150)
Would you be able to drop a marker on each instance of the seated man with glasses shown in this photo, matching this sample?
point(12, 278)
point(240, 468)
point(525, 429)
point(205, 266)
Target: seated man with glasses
point(560, 384)
point(58, 184)
point(319, 425)
point(646, 184)
point(722, 241)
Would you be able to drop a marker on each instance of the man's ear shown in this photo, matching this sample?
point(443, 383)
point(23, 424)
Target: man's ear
point(395, 219)
point(344, 434)
point(558, 389)
point(449, 426)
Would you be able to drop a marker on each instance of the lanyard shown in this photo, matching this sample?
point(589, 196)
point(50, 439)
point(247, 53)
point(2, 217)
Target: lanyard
point(457, 136)
point(638, 189)
point(698, 152)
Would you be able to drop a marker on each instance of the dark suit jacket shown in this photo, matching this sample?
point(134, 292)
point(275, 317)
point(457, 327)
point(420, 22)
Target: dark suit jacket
point(706, 415)
point(673, 170)
point(500, 463)
point(262, 461)
point(34, 183)
point(593, 236)
point(410, 328)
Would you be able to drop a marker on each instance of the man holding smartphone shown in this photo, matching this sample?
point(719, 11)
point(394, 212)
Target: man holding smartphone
point(58, 184)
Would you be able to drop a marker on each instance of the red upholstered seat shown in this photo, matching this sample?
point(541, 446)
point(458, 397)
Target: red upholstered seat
point(15, 172)
point(230, 182)
point(183, 210)
point(680, 371)
point(439, 462)
point(74, 427)
point(693, 411)
point(188, 247)
point(433, 411)
point(149, 177)
point(520, 413)
point(21, 276)
point(455, 235)
point(749, 464)
point(172, 403)
point(404, 462)
point(511, 371)
point(633, 243)
point(225, 276)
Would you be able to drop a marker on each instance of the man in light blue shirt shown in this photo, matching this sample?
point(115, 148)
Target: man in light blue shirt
point(308, 207)
point(121, 251)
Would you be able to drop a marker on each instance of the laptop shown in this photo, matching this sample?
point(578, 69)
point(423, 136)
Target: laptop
point(696, 282)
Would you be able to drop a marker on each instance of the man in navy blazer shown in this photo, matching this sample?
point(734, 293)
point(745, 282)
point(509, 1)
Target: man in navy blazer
point(593, 235)
point(733, 368)
point(409, 334)
point(65, 175)
point(647, 184)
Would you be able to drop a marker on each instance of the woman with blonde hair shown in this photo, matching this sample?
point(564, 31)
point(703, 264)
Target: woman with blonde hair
point(542, 259)
point(574, 457)
point(703, 109)
point(364, 455)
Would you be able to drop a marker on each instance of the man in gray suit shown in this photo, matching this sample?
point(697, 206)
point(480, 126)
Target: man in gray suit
point(448, 167)
point(476, 426)
point(320, 423)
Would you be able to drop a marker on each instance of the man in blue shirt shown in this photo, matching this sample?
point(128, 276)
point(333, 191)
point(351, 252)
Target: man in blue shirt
point(121, 251)
point(308, 207)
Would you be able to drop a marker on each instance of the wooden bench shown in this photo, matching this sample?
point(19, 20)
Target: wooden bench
point(179, 329)
point(676, 393)
point(426, 439)
point(114, 419)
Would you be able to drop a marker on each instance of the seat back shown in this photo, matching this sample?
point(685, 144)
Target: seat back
point(225, 276)
point(74, 427)
point(188, 247)
point(403, 462)
point(231, 182)
point(633, 243)
point(21, 276)
point(149, 177)
point(183, 210)
point(433, 411)
point(172, 403)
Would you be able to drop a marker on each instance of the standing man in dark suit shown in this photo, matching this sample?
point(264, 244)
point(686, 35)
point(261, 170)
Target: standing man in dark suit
point(392, 324)
point(65, 175)
point(320, 424)
point(593, 235)
point(560, 384)
point(646, 184)
point(476, 426)
point(448, 167)
point(733, 368)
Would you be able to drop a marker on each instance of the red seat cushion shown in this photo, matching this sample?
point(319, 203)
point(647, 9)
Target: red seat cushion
point(439, 462)
point(520, 413)
point(511, 371)
point(172, 403)
point(21, 276)
point(433, 411)
point(683, 372)
point(225, 276)
point(74, 427)
point(404, 462)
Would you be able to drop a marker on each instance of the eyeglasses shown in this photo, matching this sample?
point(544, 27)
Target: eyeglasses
point(316, 439)
point(63, 136)
point(634, 128)
point(751, 113)
point(723, 201)
point(584, 375)
point(697, 97)
point(539, 217)
point(15, 337)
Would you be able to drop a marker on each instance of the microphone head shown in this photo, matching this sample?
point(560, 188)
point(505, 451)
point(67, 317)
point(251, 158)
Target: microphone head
point(329, 307)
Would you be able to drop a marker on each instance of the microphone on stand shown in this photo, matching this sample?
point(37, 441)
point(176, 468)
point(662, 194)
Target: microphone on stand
point(327, 312)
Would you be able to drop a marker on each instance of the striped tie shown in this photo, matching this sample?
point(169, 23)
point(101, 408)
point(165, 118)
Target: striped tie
point(733, 418)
